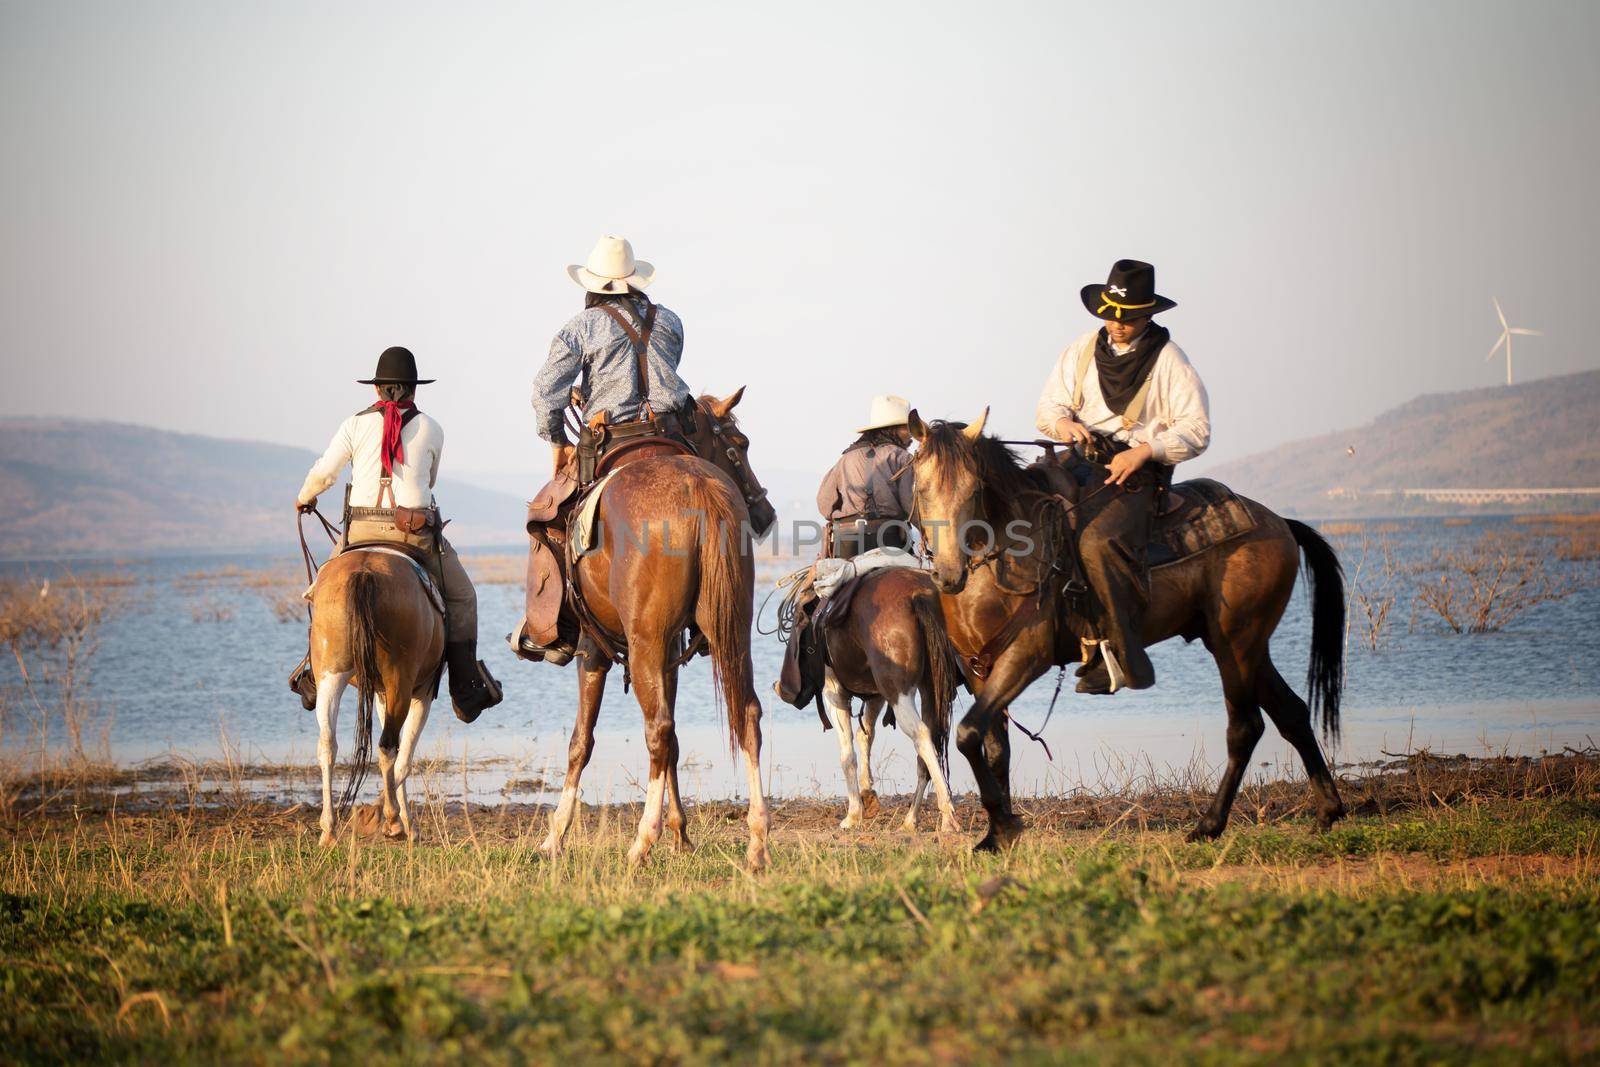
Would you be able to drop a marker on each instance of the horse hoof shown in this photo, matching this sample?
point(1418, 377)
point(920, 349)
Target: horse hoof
point(850, 822)
point(909, 823)
point(326, 841)
point(869, 803)
point(1204, 833)
point(988, 844)
point(682, 844)
point(755, 858)
point(549, 850)
point(949, 826)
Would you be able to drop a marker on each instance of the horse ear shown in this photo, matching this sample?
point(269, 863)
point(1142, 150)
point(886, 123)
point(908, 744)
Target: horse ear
point(918, 428)
point(720, 408)
point(975, 430)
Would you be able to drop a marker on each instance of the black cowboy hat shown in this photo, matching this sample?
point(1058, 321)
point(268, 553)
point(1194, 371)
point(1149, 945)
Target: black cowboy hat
point(1129, 293)
point(397, 366)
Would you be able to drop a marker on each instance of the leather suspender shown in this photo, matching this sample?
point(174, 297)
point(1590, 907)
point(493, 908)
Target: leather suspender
point(640, 337)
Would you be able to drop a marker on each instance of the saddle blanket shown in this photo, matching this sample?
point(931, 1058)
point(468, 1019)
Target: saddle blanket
point(435, 596)
point(583, 530)
point(831, 574)
point(1200, 514)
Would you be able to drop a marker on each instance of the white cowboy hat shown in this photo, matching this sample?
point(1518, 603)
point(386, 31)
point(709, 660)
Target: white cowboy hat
point(612, 268)
point(886, 411)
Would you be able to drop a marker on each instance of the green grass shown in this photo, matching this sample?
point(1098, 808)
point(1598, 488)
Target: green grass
point(1427, 936)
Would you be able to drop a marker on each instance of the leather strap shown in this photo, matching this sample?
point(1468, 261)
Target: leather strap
point(640, 337)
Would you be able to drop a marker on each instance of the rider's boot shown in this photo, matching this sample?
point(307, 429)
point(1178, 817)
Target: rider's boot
point(472, 688)
point(1137, 670)
point(302, 682)
point(559, 653)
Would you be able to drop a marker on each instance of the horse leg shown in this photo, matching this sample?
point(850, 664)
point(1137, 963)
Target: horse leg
point(908, 713)
point(390, 724)
point(1244, 730)
point(592, 671)
point(648, 663)
point(838, 701)
point(416, 719)
point(758, 818)
point(677, 822)
point(330, 688)
point(910, 821)
point(865, 733)
point(1293, 720)
point(982, 737)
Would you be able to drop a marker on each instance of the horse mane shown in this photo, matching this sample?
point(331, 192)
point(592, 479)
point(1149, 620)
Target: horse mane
point(1000, 471)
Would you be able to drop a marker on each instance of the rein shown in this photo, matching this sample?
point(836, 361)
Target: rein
point(305, 550)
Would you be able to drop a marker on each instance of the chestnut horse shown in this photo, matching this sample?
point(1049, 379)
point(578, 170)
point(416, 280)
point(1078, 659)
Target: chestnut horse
point(1230, 596)
point(673, 552)
point(891, 646)
point(373, 623)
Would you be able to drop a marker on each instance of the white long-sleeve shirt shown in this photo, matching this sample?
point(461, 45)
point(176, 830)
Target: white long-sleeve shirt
point(1175, 422)
point(359, 442)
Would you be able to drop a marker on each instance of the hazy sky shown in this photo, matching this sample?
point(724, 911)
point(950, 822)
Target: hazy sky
point(216, 215)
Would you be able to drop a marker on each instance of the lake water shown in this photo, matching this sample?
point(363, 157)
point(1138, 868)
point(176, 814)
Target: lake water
point(193, 663)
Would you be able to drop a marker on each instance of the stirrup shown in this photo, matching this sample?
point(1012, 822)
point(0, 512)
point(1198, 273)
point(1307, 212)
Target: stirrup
point(523, 647)
point(302, 683)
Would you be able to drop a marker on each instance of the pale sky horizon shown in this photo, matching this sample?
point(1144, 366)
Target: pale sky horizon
point(217, 215)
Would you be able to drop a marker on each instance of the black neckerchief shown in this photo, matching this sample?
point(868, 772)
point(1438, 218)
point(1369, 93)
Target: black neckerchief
point(1121, 376)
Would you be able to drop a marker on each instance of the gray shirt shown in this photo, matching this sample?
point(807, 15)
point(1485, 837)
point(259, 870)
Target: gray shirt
point(594, 352)
point(863, 482)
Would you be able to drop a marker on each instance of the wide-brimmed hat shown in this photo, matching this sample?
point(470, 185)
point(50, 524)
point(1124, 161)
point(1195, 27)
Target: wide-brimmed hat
point(1129, 293)
point(886, 411)
point(612, 268)
point(397, 366)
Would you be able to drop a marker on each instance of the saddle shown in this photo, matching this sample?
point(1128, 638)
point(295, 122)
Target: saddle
point(1197, 515)
point(550, 515)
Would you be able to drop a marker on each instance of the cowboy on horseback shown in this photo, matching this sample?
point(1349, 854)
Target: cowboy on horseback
point(863, 497)
point(393, 452)
point(616, 362)
point(866, 499)
point(1129, 400)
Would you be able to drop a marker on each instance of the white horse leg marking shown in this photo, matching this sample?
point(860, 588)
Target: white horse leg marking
point(650, 821)
point(561, 818)
point(330, 688)
point(409, 733)
point(838, 702)
point(908, 713)
point(758, 819)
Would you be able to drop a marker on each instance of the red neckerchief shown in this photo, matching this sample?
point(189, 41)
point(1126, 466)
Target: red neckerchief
point(394, 420)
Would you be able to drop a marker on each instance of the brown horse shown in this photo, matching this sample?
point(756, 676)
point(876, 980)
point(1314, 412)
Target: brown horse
point(1230, 596)
point(891, 647)
point(374, 624)
point(673, 554)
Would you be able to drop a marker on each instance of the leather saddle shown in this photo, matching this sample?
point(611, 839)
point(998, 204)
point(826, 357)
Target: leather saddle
point(546, 584)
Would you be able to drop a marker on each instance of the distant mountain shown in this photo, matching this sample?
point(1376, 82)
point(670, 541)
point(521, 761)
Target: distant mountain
point(1537, 435)
point(75, 487)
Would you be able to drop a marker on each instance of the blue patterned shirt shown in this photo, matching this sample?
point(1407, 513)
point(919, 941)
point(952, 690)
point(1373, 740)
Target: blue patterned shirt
point(593, 351)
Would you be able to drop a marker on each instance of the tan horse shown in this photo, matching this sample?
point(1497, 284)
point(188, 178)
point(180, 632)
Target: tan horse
point(1005, 605)
point(672, 554)
point(891, 647)
point(373, 624)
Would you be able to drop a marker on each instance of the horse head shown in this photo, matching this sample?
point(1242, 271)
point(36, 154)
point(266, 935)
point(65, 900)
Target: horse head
point(718, 439)
point(949, 494)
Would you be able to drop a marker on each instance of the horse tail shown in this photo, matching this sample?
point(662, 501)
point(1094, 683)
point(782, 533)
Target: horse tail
point(1325, 675)
point(941, 672)
point(726, 602)
point(362, 615)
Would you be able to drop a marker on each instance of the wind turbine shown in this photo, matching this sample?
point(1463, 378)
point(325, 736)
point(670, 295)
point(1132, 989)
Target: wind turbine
point(1506, 330)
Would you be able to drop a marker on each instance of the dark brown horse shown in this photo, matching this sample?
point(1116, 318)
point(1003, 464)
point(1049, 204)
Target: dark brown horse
point(1230, 596)
point(673, 554)
point(891, 647)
